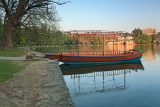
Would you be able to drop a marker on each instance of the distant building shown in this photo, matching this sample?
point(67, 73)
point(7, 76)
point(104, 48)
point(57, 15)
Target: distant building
point(149, 31)
point(158, 33)
point(88, 36)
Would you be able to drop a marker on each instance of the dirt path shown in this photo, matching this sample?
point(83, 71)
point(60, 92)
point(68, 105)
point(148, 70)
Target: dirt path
point(40, 84)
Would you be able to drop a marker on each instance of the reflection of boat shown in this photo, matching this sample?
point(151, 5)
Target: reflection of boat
point(91, 57)
point(90, 79)
point(80, 69)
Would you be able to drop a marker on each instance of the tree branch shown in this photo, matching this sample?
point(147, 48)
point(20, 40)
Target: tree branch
point(13, 4)
point(40, 3)
point(5, 6)
point(59, 3)
point(44, 4)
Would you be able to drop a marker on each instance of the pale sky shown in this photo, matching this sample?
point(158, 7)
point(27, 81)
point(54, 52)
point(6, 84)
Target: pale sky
point(112, 15)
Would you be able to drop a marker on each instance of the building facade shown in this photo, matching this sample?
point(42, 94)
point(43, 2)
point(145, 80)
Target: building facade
point(149, 31)
point(87, 37)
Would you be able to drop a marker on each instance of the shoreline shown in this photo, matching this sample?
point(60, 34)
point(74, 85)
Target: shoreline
point(40, 84)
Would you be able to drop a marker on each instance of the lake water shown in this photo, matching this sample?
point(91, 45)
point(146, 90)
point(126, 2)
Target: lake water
point(134, 84)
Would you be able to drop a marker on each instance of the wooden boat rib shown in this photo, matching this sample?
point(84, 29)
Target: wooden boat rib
point(80, 57)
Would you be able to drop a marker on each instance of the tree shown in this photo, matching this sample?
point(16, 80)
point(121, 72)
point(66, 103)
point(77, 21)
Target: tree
point(137, 32)
point(42, 35)
point(24, 12)
point(1, 30)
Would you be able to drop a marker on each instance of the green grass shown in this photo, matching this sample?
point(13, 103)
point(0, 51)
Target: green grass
point(12, 53)
point(7, 69)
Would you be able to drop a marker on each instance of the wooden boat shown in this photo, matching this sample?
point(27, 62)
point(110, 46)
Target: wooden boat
point(94, 57)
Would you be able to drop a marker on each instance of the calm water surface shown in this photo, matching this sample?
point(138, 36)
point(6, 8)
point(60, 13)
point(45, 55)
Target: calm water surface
point(134, 84)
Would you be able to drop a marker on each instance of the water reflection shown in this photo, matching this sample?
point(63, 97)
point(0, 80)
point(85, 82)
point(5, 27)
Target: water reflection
point(128, 87)
point(91, 79)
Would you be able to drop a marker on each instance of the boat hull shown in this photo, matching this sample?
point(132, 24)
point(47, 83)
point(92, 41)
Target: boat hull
point(71, 59)
point(69, 69)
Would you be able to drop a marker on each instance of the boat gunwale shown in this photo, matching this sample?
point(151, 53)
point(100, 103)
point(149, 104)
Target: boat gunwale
point(53, 54)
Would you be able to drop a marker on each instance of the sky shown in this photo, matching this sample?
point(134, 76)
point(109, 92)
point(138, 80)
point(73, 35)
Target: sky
point(111, 15)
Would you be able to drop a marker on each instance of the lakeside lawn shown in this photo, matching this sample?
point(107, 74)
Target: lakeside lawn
point(12, 53)
point(7, 69)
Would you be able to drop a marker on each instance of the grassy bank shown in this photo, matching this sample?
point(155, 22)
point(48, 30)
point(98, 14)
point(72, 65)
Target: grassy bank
point(12, 53)
point(7, 69)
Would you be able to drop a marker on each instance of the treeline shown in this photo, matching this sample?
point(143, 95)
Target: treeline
point(41, 35)
point(44, 35)
point(140, 38)
point(145, 39)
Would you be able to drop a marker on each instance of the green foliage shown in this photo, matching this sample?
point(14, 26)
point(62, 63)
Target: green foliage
point(58, 38)
point(71, 41)
point(40, 35)
point(138, 40)
point(97, 41)
point(26, 13)
point(145, 39)
point(136, 32)
point(12, 53)
point(7, 69)
point(149, 39)
point(139, 47)
point(142, 39)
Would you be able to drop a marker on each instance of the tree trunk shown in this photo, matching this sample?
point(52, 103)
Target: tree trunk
point(9, 33)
